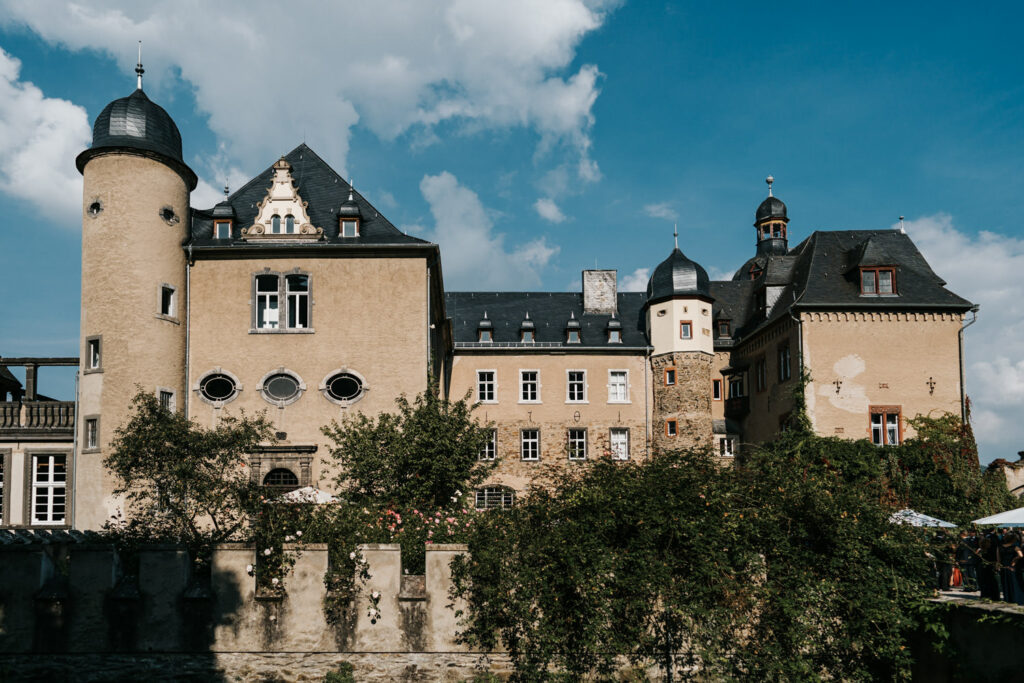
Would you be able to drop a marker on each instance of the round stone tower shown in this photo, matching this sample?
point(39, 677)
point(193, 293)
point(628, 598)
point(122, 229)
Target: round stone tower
point(678, 314)
point(135, 218)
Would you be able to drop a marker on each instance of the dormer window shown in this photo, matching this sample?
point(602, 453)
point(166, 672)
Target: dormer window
point(527, 336)
point(485, 329)
point(877, 281)
point(275, 224)
point(486, 335)
point(572, 330)
point(222, 230)
point(614, 336)
point(573, 337)
point(755, 271)
point(724, 328)
point(349, 227)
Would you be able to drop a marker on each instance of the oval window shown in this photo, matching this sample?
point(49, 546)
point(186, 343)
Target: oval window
point(281, 387)
point(217, 387)
point(344, 387)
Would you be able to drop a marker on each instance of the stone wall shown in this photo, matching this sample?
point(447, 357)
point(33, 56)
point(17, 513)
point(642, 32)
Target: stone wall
point(687, 402)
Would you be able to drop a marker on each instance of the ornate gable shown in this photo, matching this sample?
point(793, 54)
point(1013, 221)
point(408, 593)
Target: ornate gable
point(282, 216)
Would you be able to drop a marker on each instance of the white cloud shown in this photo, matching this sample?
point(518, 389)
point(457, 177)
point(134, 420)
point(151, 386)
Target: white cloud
point(636, 282)
point(39, 138)
point(661, 210)
point(265, 75)
point(986, 269)
point(474, 256)
point(548, 210)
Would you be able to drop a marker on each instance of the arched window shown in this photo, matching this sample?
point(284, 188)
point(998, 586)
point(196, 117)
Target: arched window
point(281, 480)
point(289, 224)
point(275, 224)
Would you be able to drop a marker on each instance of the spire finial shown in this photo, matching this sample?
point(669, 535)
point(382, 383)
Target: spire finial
point(675, 234)
point(902, 229)
point(770, 179)
point(138, 68)
point(225, 189)
point(350, 186)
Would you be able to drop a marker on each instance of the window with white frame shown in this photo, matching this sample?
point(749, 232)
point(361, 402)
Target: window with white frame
point(686, 329)
point(349, 227)
point(492, 497)
point(297, 287)
point(671, 428)
point(618, 440)
point(885, 426)
point(222, 229)
point(577, 444)
point(489, 451)
point(726, 447)
point(529, 444)
point(618, 386)
point(529, 386)
point(716, 389)
point(267, 316)
point(576, 386)
point(49, 488)
point(93, 353)
point(735, 386)
point(486, 386)
point(92, 432)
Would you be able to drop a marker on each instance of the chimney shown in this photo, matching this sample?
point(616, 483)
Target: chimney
point(599, 292)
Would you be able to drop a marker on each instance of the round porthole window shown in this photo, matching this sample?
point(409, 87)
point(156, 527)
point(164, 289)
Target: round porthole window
point(218, 387)
point(343, 386)
point(281, 387)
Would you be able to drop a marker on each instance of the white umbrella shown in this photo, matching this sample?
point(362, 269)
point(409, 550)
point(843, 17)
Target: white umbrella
point(1008, 518)
point(308, 494)
point(908, 516)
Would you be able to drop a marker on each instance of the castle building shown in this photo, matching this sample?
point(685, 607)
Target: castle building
point(295, 296)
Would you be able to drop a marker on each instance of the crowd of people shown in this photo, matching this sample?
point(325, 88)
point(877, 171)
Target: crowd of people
point(991, 562)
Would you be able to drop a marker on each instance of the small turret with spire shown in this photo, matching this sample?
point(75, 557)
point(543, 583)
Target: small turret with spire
point(138, 68)
point(770, 223)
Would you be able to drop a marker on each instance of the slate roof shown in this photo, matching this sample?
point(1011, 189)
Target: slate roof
point(324, 190)
point(7, 378)
point(550, 313)
point(677, 276)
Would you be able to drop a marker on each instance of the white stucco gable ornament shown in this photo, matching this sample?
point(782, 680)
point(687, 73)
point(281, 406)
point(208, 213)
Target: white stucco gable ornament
point(282, 213)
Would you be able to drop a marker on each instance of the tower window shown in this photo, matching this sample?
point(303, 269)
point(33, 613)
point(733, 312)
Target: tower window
point(92, 433)
point(670, 377)
point(168, 303)
point(671, 428)
point(93, 353)
point(685, 329)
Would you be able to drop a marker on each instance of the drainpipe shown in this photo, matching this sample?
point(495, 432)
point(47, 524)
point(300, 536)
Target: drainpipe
point(188, 326)
point(960, 349)
point(74, 452)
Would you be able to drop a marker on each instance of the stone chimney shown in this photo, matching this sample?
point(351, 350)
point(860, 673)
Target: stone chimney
point(599, 292)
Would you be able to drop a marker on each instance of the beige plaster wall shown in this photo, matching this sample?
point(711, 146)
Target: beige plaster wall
point(554, 415)
point(369, 315)
point(128, 251)
point(664, 329)
point(881, 359)
point(769, 406)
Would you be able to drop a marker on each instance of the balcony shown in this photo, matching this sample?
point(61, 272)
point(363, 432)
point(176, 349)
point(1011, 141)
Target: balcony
point(37, 420)
point(737, 408)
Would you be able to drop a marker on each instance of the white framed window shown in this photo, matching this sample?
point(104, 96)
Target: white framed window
point(297, 289)
point(267, 310)
point(486, 386)
point(573, 337)
point(528, 337)
point(49, 488)
point(529, 386)
point(716, 389)
point(492, 497)
point(614, 336)
point(670, 377)
point(727, 447)
point(671, 428)
point(686, 329)
point(168, 301)
point(92, 432)
point(885, 425)
point(349, 227)
point(529, 444)
point(93, 353)
point(576, 386)
point(735, 386)
point(222, 230)
point(489, 451)
point(577, 444)
point(618, 440)
point(618, 386)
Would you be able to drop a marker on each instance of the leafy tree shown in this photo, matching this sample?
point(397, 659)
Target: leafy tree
point(424, 455)
point(182, 480)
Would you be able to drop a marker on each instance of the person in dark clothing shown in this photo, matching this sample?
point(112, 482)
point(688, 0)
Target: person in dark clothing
point(988, 583)
point(966, 556)
point(944, 550)
point(1009, 557)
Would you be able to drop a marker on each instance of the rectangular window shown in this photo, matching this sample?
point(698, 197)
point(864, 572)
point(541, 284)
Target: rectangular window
point(489, 450)
point(716, 389)
point(724, 328)
point(671, 428)
point(577, 444)
point(266, 302)
point(298, 301)
point(885, 282)
point(618, 386)
point(576, 386)
point(92, 354)
point(785, 366)
point(877, 280)
point(529, 444)
point(485, 386)
point(494, 497)
point(528, 336)
point(49, 489)
point(685, 329)
point(726, 448)
point(619, 442)
point(485, 336)
point(761, 368)
point(614, 336)
point(349, 228)
point(885, 426)
point(735, 386)
point(167, 399)
point(92, 433)
point(529, 386)
point(222, 230)
point(574, 337)
point(670, 377)
point(168, 305)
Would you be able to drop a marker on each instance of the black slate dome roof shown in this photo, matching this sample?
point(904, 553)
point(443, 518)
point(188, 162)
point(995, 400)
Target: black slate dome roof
point(136, 122)
point(771, 207)
point(678, 276)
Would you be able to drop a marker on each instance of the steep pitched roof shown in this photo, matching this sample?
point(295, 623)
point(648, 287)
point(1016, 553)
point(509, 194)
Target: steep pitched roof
point(323, 189)
point(549, 311)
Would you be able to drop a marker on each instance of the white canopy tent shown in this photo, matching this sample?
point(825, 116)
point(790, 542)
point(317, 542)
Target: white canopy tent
point(908, 516)
point(1008, 518)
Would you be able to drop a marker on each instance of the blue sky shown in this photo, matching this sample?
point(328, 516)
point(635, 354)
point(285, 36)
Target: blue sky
point(537, 138)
